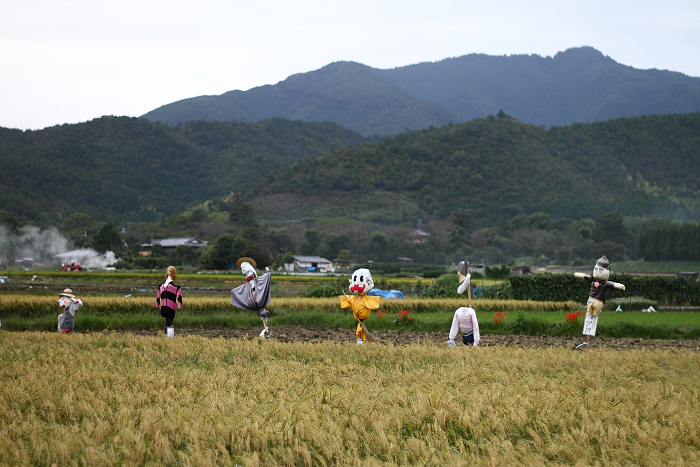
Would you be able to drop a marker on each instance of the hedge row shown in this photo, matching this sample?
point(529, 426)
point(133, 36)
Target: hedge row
point(563, 287)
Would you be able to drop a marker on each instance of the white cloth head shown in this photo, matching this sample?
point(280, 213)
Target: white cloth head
point(248, 271)
point(361, 281)
point(601, 273)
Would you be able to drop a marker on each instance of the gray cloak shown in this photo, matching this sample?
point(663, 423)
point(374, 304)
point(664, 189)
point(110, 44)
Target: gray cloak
point(254, 295)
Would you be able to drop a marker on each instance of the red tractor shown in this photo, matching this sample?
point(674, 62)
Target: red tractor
point(72, 267)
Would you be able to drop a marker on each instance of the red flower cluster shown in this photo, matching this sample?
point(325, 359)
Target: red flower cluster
point(500, 317)
point(404, 314)
point(382, 313)
point(572, 317)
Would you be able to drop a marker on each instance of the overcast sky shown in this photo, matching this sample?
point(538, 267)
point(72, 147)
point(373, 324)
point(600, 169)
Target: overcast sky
point(71, 61)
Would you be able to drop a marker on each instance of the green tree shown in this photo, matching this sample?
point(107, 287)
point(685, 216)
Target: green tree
point(461, 217)
point(539, 220)
point(458, 236)
point(10, 222)
point(225, 252)
point(77, 223)
point(187, 255)
point(157, 250)
point(79, 228)
point(610, 226)
point(251, 234)
point(343, 257)
point(333, 243)
point(108, 239)
point(380, 245)
point(239, 211)
point(311, 243)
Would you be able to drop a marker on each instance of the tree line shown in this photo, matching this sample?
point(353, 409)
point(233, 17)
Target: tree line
point(670, 242)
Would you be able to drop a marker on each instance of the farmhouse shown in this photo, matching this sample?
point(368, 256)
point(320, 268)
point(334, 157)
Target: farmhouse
point(311, 264)
point(521, 270)
point(169, 244)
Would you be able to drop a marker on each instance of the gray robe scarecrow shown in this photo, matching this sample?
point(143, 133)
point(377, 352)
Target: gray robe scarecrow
point(69, 303)
point(254, 295)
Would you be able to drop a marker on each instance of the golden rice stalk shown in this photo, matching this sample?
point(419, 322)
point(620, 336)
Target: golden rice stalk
point(122, 399)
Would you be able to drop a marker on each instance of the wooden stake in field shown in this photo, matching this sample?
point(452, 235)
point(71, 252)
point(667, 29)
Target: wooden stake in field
point(596, 298)
point(360, 284)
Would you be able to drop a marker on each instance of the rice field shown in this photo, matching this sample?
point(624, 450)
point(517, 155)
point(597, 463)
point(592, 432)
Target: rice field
point(104, 399)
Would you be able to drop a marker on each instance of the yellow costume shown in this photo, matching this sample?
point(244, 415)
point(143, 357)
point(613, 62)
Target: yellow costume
point(361, 306)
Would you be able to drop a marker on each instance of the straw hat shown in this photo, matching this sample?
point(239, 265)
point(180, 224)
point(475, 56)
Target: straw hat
point(67, 293)
point(246, 259)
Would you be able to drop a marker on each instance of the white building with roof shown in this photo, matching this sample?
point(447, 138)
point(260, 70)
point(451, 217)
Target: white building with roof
point(169, 244)
point(312, 264)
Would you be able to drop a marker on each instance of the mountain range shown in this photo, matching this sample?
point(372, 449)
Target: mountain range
point(577, 85)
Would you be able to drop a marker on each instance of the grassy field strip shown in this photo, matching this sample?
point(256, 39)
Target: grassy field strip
point(120, 399)
point(31, 305)
point(32, 313)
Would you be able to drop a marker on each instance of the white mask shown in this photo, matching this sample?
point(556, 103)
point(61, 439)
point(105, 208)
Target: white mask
point(361, 282)
point(248, 271)
point(599, 272)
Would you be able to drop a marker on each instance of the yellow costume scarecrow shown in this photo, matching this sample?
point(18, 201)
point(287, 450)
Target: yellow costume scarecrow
point(361, 304)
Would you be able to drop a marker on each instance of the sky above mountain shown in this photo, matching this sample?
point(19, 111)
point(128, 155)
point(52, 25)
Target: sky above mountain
point(72, 61)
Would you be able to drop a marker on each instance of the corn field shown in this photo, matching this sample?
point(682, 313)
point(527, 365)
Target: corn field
point(32, 306)
point(104, 399)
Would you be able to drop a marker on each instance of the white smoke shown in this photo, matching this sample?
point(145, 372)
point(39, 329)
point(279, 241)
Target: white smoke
point(100, 261)
point(49, 247)
point(40, 245)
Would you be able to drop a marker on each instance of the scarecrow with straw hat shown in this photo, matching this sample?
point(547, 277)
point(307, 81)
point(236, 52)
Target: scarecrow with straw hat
point(254, 294)
point(596, 298)
point(69, 303)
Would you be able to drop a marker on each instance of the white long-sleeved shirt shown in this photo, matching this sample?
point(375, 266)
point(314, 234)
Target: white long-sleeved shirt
point(70, 305)
point(465, 321)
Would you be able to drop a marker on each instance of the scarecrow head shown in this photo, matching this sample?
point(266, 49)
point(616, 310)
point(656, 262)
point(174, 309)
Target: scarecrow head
point(463, 272)
point(361, 282)
point(247, 266)
point(601, 270)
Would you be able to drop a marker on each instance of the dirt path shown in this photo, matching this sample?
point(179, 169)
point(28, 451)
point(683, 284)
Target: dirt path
point(297, 334)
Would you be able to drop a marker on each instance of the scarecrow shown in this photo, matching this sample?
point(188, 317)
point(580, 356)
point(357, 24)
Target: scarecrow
point(69, 304)
point(465, 317)
point(596, 298)
point(168, 297)
point(254, 295)
point(360, 283)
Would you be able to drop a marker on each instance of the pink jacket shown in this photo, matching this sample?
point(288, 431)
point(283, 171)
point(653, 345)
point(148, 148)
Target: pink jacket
point(465, 321)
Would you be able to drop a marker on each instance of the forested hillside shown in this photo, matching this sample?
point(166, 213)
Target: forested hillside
point(494, 189)
point(578, 85)
point(636, 166)
point(119, 168)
